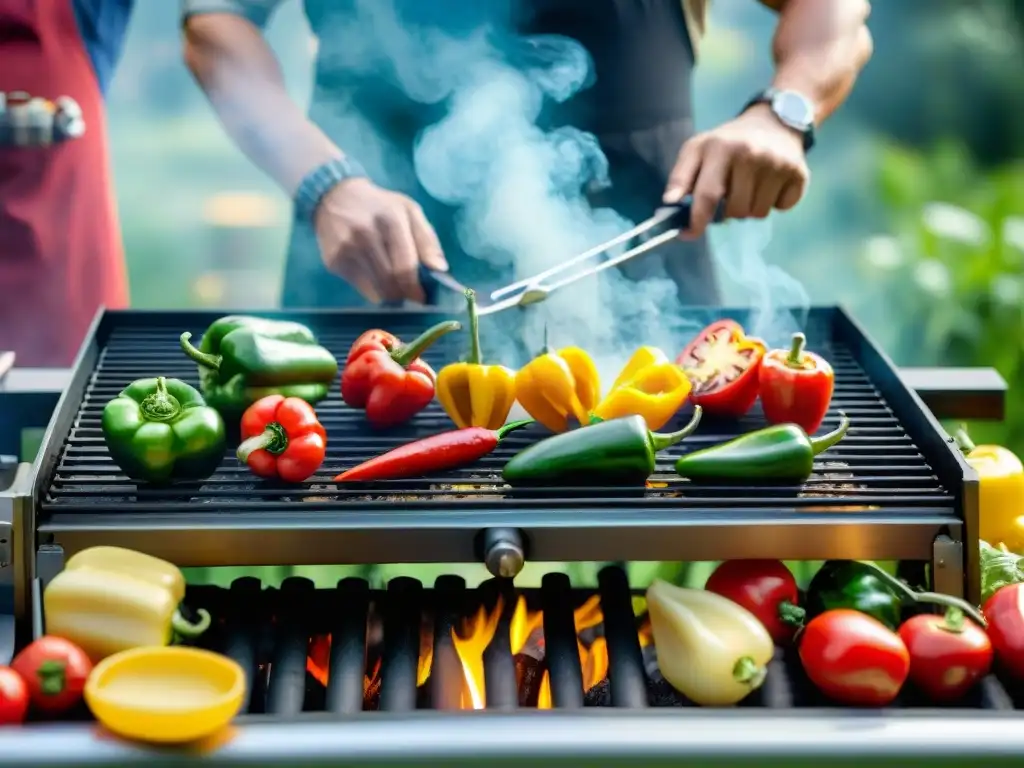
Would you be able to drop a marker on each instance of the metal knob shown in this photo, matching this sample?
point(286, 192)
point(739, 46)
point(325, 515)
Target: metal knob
point(503, 552)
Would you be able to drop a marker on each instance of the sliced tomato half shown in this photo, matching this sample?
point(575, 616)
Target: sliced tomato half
point(722, 363)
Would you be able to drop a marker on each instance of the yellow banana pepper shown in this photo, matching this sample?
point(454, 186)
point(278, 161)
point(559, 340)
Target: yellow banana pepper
point(473, 394)
point(650, 386)
point(1001, 492)
point(558, 384)
point(109, 599)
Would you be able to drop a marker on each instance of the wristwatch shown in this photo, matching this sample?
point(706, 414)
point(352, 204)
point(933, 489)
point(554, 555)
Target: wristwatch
point(322, 180)
point(792, 109)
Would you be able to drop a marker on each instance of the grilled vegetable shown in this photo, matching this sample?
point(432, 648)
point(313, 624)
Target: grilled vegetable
point(854, 659)
point(1001, 475)
point(796, 386)
point(160, 430)
point(710, 649)
point(650, 386)
point(999, 568)
point(617, 452)
point(766, 588)
point(1004, 612)
point(863, 586)
point(854, 585)
point(387, 378)
point(448, 450)
point(948, 655)
point(55, 670)
point(109, 599)
point(473, 394)
point(282, 438)
point(723, 363)
point(242, 359)
point(13, 697)
point(781, 452)
point(558, 385)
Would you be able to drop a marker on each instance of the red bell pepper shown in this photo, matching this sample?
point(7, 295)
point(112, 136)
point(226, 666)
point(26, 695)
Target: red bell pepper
point(796, 386)
point(1004, 612)
point(722, 363)
point(766, 588)
point(282, 438)
point(387, 379)
point(448, 450)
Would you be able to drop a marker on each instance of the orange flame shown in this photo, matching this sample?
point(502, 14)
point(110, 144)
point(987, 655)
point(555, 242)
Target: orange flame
point(478, 631)
point(593, 660)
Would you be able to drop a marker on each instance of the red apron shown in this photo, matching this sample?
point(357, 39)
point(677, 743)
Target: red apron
point(60, 245)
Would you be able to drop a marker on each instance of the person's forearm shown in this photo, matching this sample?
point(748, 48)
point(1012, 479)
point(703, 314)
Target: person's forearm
point(820, 47)
point(241, 77)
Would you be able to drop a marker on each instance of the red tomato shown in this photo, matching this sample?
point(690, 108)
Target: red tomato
point(1004, 612)
point(13, 697)
point(948, 654)
point(766, 588)
point(722, 363)
point(853, 658)
point(55, 670)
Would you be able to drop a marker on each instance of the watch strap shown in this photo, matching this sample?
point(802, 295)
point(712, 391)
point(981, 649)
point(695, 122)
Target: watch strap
point(321, 180)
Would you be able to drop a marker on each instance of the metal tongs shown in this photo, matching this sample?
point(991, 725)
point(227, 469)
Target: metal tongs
point(674, 218)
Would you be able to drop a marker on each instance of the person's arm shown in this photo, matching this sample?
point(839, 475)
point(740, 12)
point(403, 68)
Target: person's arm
point(820, 47)
point(227, 55)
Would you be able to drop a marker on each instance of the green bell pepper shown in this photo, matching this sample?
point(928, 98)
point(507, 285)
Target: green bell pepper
point(242, 359)
point(160, 430)
point(614, 452)
point(781, 452)
point(855, 585)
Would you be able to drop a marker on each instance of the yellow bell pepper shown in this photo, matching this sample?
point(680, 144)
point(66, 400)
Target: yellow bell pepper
point(109, 599)
point(558, 384)
point(1001, 492)
point(473, 394)
point(650, 386)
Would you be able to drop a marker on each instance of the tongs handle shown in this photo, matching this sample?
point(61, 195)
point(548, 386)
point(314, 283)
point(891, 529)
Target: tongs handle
point(677, 216)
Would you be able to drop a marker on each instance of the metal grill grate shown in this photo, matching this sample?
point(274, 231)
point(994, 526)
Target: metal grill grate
point(385, 635)
point(876, 468)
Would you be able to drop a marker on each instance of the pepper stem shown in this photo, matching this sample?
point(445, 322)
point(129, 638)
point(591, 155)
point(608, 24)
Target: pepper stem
point(189, 630)
point(749, 672)
point(161, 405)
point(796, 351)
point(404, 354)
point(546, 349)
point(791, 614)
point(953, 621)
point(663, 440)
point(52, 676)
point(205, 360)
point(823, 443)
point(475, 356)
point(273, 439)
point(933, 598)
point(963, 439)
point(512, 426)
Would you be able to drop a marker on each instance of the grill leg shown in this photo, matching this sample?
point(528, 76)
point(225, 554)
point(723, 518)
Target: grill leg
point(948, 566)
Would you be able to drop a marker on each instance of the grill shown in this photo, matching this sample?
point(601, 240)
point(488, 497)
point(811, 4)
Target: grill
point(895, 488)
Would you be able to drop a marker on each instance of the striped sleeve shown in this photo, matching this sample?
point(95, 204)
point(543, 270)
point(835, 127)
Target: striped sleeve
point(256, 11)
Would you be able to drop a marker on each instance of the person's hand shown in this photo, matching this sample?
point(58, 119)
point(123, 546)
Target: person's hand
point(753, 162)
point(376, 239)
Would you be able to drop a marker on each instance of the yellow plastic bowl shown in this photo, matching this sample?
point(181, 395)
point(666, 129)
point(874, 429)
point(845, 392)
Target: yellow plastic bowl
point(166, 695)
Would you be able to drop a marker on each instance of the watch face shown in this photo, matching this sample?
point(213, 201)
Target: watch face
point(793, 109)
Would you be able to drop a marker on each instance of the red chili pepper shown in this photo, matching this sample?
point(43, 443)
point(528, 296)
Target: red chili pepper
point(766, 588)
point(948, 654)
point(282, 438)
point(1004, 612)
point(853, 658)
point(722, 363)
point(387, 379)
point(796, 386)
point(437, 453)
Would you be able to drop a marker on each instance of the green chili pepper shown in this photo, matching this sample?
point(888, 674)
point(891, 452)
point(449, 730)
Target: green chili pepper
point(614, 452)
point(159, 430)
point(852, 584)
point(242, 359)
point(782, 452)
